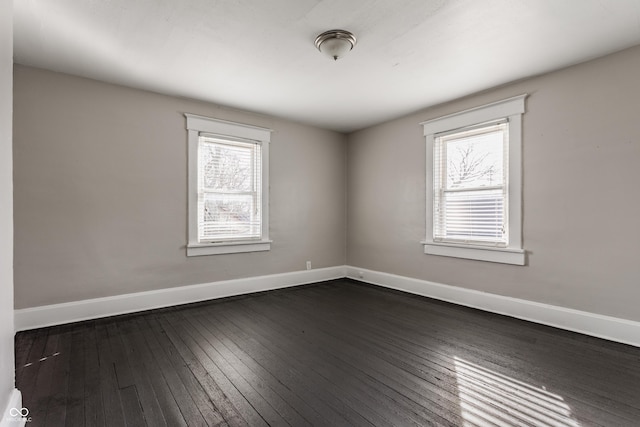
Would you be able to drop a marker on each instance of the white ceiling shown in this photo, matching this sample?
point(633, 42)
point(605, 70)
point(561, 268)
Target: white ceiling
point(259, 55)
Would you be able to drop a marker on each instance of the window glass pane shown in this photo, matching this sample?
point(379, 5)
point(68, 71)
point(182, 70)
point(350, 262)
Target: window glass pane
point(229, 190)
point(226, 167)
point(474, 215)
point(229, 216)
point(470, 195)
point(475, 160)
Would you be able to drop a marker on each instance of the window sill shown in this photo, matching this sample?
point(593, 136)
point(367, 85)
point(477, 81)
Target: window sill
point(228, 247)
point(499, 255)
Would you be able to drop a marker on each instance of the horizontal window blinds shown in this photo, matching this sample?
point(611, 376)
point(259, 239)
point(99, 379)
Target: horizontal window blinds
point(229, 189)
point(470, 185)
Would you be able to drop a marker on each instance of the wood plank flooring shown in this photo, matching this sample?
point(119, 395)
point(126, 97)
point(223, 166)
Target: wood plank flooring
point(336, 353)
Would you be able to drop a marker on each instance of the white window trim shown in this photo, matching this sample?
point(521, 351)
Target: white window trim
point(512, 109)
point(200, 124)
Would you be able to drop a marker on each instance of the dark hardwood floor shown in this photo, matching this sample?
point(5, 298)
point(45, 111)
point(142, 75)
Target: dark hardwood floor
point(337, 353)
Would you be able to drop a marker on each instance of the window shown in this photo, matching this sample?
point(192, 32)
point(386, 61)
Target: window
point(470, 182)
point(228, 188)
point(474, 200)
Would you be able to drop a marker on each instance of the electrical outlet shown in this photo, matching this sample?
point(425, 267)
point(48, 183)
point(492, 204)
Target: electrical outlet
point(308, 265)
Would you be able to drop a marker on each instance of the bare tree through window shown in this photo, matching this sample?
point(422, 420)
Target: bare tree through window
point(470, 167)
point(475, 161)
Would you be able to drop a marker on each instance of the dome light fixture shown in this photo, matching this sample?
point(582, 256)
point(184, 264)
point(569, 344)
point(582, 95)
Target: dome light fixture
point(335, 43)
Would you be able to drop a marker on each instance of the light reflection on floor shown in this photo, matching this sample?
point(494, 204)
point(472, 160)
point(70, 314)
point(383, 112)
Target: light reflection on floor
point(488, 398)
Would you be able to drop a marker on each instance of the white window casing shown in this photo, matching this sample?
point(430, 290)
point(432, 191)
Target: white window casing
point(228, 187)
point(499, 119)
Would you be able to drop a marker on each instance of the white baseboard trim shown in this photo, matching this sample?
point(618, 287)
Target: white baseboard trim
point(11, 418)
point(610, 328)
point(597, 325)
point(57, 314)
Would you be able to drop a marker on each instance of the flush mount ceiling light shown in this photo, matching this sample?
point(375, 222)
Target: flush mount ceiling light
point(335, 43)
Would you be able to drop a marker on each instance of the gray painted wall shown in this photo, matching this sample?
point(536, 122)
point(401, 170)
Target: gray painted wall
point(6, 204)
point(100, 192)
point(100, 204)
point(581, 149)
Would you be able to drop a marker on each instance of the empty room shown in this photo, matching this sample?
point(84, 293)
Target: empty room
point(314, 212)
